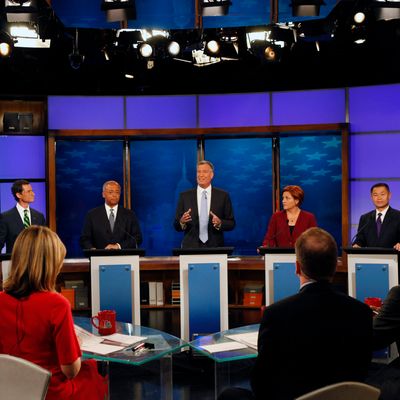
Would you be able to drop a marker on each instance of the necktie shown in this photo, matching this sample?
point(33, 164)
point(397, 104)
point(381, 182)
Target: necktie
point(112, 219)
point(27, 223)
point(379, 224)
point(203, 217)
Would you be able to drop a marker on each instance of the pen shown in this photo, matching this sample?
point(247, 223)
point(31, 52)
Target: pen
point(138, 346)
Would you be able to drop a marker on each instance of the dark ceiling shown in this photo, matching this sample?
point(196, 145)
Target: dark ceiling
point(340, 62)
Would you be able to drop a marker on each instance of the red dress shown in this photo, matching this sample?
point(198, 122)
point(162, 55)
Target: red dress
point(278, 233)
point(40, 329)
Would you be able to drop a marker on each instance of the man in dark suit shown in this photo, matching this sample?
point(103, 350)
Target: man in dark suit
point(204, 213)
point(386, 330)
point(111, 226)
point(381, 227)
point(316, 337)
point(13, 221)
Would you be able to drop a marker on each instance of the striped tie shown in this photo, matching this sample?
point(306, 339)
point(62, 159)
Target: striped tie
point(27, 223)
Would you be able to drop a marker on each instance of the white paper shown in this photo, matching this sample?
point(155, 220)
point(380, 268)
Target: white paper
point(225, 346)
point(249, 339)
point(105, 344)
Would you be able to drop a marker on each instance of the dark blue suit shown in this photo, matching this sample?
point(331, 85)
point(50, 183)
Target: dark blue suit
point(390, 232)
point(96, 233)
point(221, 206)
point(11, 225)
point(309, 340)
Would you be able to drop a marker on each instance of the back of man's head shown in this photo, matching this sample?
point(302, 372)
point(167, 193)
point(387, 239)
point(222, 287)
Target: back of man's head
point(316, 252)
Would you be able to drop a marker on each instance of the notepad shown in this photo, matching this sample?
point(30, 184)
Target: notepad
point(103, 345)
point(249, 339)
point(225, 346)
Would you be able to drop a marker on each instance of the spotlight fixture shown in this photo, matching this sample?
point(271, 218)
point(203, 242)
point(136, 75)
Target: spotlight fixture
point(75, 58)
point(21, 10)
point(306, 8)
point(214, 8)
point(119, 10)
point(359, 17)
point(173, 48)
point(6, 44)
point(146, 50)
point(266, 51)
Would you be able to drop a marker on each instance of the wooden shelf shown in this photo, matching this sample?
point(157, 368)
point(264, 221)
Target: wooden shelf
point(149, 307)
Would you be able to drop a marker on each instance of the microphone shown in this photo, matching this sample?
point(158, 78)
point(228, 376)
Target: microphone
point(129, 234)
point(274, 237)
point(359, 230)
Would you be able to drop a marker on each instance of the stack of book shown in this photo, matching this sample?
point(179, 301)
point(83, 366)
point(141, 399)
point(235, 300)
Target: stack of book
point(253, 294)
point(175, 293)
point(152, 293)
point(77, 294)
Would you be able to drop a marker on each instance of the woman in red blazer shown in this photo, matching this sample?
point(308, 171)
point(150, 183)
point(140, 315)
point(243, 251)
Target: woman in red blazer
point(287, 225)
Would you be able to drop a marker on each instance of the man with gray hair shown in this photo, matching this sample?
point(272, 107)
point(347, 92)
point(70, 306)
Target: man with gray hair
point(111, 226)
point(316, 337)
point(204, 213)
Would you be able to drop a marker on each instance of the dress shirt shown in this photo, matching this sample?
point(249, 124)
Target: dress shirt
point(383, 213)
point(108, 208)
point(21, 213)
point(200, 191)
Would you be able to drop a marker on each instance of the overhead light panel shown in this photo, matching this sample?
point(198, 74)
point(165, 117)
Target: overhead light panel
point(214, 8)
point(306, 8)
point(21, 10)
point(119, 10)
point(386, 10)
point(25, 36)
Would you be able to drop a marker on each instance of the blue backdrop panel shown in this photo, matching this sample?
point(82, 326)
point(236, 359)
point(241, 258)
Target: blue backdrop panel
point(243, 167)
point(116, 290)
point(160, 170)
point(204, 298)
point(372, 280)
point(84, 167)
point(315, 163)
point(286, 281)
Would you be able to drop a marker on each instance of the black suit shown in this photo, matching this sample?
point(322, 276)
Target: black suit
point(96, 232)
point(11, 225)
point(314, 338)
point(387, 331)
point(221, 206)
point(390, 231)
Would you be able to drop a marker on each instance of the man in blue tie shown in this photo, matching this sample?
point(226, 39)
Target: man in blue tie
point(13, 221)
point(204, 213)
point(380, 227)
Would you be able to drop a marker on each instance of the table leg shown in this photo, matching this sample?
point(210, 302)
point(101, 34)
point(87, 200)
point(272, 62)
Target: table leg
point(221, 377)
point(166, 377)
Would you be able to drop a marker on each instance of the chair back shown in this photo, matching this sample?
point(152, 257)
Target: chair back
point(21, 379)
point(343, 391)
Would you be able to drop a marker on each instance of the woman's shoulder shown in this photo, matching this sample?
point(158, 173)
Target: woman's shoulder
point(307, 214)
point(53, 298)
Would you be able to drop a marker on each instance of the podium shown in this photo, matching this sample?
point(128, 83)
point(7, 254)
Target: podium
point(115, 282)
point(371, 271)
point(203, 275)
point(280, 273)
point(5, 259)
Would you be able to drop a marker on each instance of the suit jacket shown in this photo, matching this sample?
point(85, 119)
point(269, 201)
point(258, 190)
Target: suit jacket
point(314, 338)
point(278, 233)
point(390, 231)
point(387, 322)
point(96, 232)
point(11, 225)
point(221, 206)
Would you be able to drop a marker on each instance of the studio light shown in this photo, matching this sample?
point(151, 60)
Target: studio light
point(214, 8)
point(6, 44)
point(119, 10)
point(306, 8)
point(359, 17)
point(21, 10)
point(26, 36)
point(386, 10)
point(266, 51)
point(174, 48)
point(146, 50)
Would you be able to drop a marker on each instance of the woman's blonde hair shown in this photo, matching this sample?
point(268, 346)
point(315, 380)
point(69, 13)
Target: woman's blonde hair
point(36, 260)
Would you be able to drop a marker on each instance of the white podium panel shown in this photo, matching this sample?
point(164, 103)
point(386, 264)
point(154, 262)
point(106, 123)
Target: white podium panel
point(115, 282)
point(204, 294)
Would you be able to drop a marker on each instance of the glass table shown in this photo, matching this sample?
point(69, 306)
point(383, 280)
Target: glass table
point(162, 346)
point(224, 352)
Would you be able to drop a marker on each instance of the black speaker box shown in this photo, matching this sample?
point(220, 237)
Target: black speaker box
point(17, 122)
